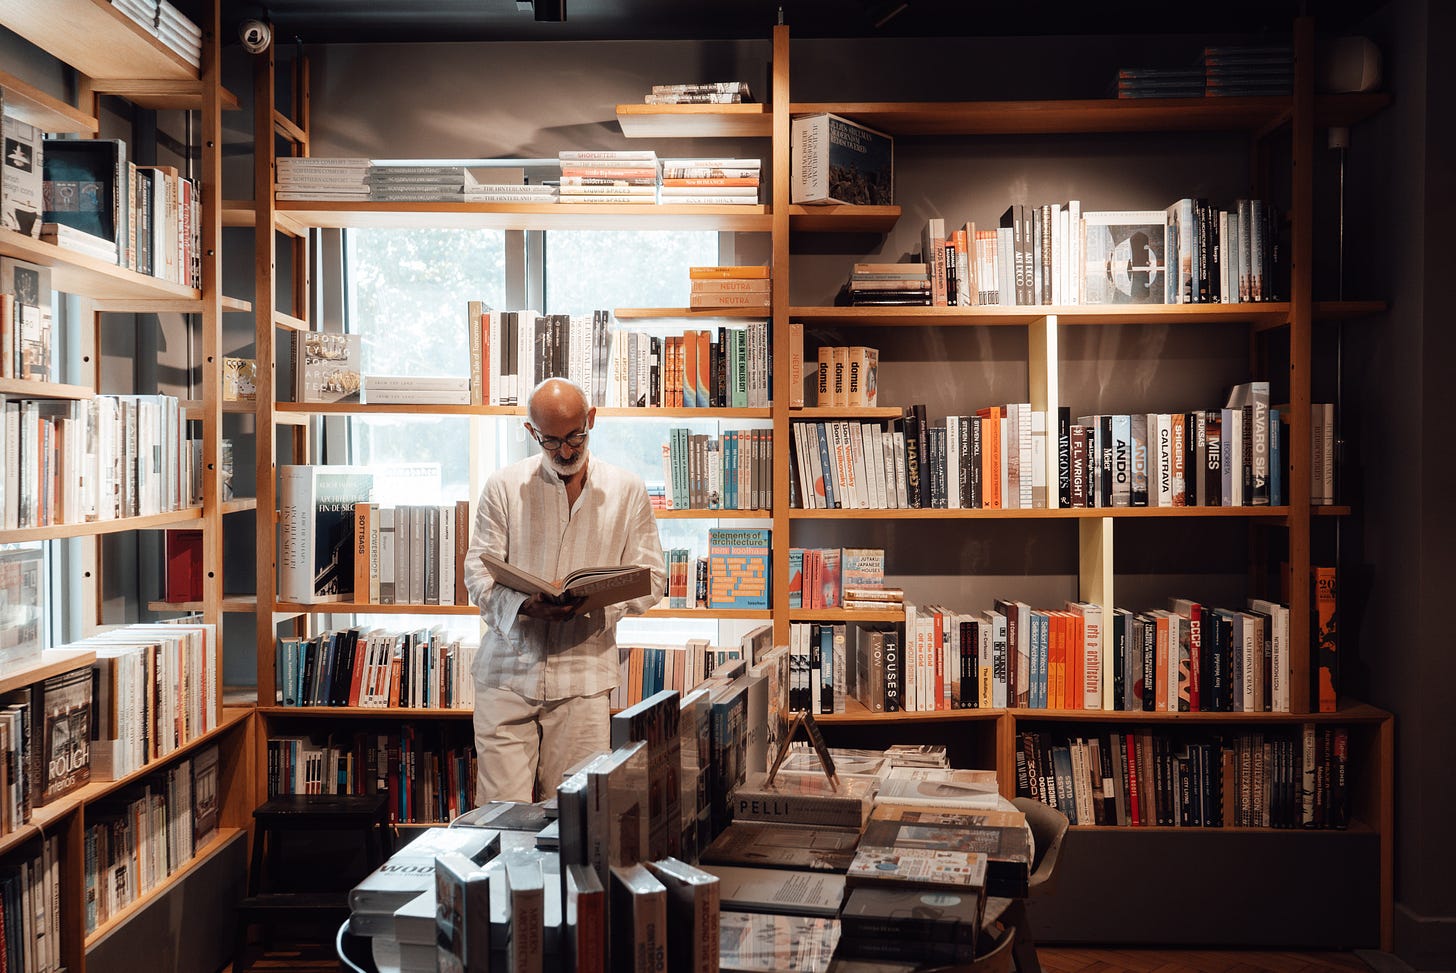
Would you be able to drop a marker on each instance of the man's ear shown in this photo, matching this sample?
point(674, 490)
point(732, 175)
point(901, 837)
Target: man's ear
point(591, 417)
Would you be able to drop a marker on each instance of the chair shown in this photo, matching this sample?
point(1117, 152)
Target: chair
point(1048, 828)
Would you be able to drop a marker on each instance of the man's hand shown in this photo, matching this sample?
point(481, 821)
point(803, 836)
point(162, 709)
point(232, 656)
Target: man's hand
point(547, 610)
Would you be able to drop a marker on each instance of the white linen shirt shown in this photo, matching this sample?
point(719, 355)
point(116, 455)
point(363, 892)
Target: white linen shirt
point(522, 518)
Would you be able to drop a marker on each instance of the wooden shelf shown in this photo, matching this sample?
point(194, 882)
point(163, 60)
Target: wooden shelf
point(1357, 829)
point(1347, 713)
point(95, 38)
point(722, 614)
point(1081, 116)
point(654, 313)
point(1335, 511)
point(1345, 310)
point(241, 213)
point(856, 714)
point(95, 527)
point(164, 95)
point(214, 845)
point(366, 608)
point(837, 218)
point(712, 514)
point(603, 412)
point(23, 388)
point(194, 407)
point(78, 274)
point(1076, 513)
point(695, 121)
point(239, 505)
point(385, 712)
point(846, 412)
point(1083, 314)
point(32, 106)
point(52, 662)
point(290, 322)
point(186, 306)
point(1348, 109)
point(231, 605)
point(527, 216)
point(896, 614)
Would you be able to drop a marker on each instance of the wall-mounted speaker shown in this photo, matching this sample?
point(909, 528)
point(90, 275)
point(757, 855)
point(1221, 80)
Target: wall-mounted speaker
point(1345, 64)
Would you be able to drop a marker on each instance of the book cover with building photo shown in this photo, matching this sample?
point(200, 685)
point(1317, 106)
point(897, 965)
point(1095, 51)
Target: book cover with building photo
point(1125, 257)
point(65, 723)
point(326, 367)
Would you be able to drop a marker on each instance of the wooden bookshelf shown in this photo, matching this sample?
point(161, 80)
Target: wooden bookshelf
point(656, 313)
point(374, 712)
point(721, 614)
point(369, 608)
point(30, 105)
point(213, 846)
point(98, 527)
point(863, 615)
point(76, 273)
point(163, 95)
point(24, 388)
point(712, 514)
point(993, 315)
point(840, 218)
point(52, 662)
point(526, 216)
point(695, 121)
point(95, 38)
point(1074, 513)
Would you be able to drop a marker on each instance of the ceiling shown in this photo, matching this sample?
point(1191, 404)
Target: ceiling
point(340, 21)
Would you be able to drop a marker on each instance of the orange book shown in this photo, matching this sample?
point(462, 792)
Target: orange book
point(937, 651)
point(1056, 660)
point(672, 373)
point(990, 457)
point(713, 181)
point(720, 273)
point(796, 365)
point(1160, 663)
point(356, 684)
point(396, 666)
point(688, 376)
point(1075, 645)
point(462, 545)
point(361, 552)
point(824, 389)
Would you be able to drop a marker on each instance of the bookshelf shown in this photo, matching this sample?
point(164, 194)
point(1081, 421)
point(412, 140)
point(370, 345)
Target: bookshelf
point(109, 54)
point(1090, 539)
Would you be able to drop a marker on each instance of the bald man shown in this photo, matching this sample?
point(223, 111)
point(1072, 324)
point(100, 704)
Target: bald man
point(544, 671)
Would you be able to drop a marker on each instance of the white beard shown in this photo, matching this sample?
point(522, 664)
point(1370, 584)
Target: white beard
point(567, 469)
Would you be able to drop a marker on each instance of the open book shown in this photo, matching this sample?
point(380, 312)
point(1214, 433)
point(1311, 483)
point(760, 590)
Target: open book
point(597, 587)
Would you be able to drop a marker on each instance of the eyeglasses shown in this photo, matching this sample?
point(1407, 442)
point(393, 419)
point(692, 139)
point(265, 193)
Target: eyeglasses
point(551, 444)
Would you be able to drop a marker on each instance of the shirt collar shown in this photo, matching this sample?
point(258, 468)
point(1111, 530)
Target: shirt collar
point(544, 470)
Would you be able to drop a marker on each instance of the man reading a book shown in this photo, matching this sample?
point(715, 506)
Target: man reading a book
point(545, 669)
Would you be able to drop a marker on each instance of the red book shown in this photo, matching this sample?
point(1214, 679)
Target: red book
point(184, 565)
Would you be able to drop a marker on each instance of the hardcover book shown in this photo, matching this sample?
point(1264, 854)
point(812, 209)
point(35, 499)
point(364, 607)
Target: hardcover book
point(86, 187)
point(638, 914)
point(462, 915)
point(778, 890)
point(774, 943)
point(29, 288)
point(807, 798)
point(64, 719)
point(655, 721)
point(22, 183)
point(22, 601)
point(768, 844)
point(411, 869)
point(692, 915)
point(738, 567)
point(835, 160)
point(1125, 257)
point(1001, 835)
point(326, 367)
point(204, 795)
point(912, 867)
point(596, 587)
point(910, 923)
point(940, 787)
point(585, 914)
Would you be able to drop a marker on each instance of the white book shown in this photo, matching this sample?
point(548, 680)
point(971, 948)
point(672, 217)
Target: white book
point(953, 435)
point(1280, 672)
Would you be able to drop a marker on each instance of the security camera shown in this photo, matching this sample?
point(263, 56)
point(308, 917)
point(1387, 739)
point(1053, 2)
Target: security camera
point(255, 35)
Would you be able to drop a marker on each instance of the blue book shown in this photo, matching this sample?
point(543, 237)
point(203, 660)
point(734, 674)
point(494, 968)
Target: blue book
point(1040, 632)
point(738, 567)
point(730, 470)
point(796, 577)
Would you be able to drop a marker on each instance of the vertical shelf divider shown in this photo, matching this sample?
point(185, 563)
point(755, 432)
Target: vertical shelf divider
point(779, 587)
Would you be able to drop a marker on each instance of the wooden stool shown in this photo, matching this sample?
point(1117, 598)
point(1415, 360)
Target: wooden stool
point(270, 901)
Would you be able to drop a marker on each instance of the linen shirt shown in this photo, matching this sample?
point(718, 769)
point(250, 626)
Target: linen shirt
point(523, 518)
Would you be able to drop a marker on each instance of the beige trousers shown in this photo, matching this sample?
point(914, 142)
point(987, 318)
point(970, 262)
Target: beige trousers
point(523, 746)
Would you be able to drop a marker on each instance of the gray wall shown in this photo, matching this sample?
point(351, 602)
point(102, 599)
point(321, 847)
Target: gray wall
point(533, 100)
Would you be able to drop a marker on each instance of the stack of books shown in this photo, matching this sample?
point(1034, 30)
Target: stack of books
point(875, 284)
point(345, 180)
point(606, 176)
point(503, 192)
point(1160, 83)
point(726, 287)
point(702, 93)
point(1248, 71)
point(417, 389)
point(409, 183)
point(168, 24)
point(710, 182)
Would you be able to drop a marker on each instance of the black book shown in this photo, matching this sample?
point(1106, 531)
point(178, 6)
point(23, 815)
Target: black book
point(1105, 461)
point(972, 459)
point(894, 671)
point(1064, 457)
point(1148, 656)
point(1118, 646)
point(922, 426)
point(913, 477)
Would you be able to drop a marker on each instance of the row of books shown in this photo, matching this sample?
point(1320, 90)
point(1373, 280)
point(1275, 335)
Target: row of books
point(730, 472)
point(699, 93)
point(375, 668)
point(512, 351)
point(1227, 71)
point(30, 920)
point(1057, 254)
point(110, 456)
point(996, 458)
point(818, 667)
point(168, 24)
point(139, 836)
point(848, 376)
point(1265, 779)
point(427, 775)
point(710, 182)
point(155, 690)
point(649, 669)
point(1188, 658)
point(839, 577)
point(25, 320)
point(98, 203)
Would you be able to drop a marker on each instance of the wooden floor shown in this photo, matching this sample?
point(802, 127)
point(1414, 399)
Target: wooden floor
point(1064, 960)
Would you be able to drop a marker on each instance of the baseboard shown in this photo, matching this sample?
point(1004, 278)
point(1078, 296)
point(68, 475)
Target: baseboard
point(1425, 942)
